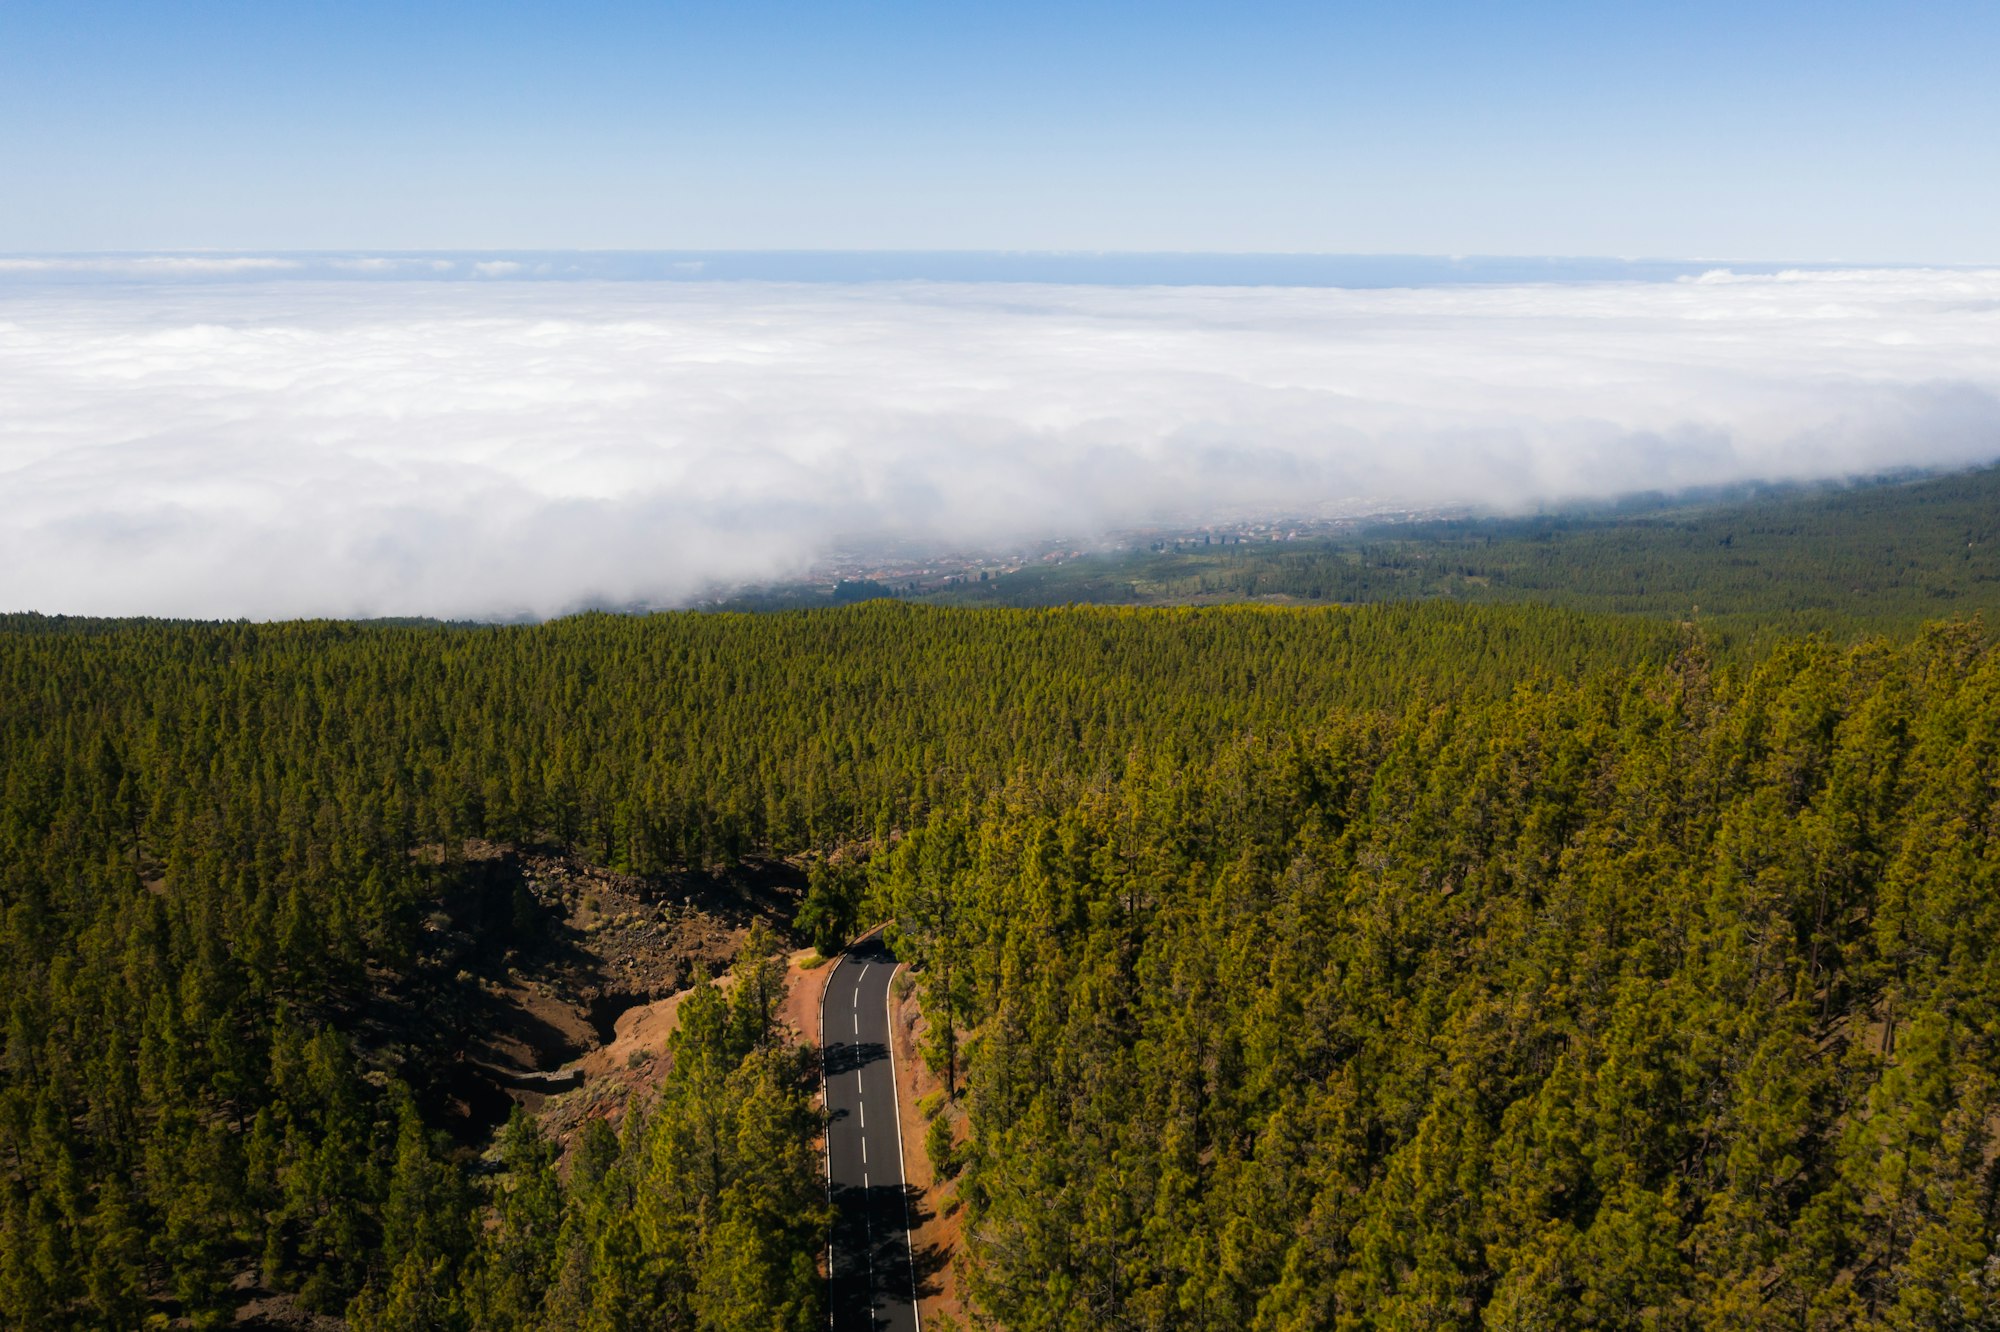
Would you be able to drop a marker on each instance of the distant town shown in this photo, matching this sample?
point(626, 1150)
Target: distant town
point(910, 568)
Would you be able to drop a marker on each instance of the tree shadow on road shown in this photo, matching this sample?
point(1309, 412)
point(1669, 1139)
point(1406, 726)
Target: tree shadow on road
point(847, 1056)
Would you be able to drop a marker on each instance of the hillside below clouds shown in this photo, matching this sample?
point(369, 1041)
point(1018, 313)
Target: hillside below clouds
point(1885, 553)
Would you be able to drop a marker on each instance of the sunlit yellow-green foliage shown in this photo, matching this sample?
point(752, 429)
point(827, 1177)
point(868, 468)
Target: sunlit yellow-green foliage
point(1651, 1000)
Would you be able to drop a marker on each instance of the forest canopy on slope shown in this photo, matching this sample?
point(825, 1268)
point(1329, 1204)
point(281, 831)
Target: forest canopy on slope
point(1659, 1000)
point(1883, 555)
point(1414, 965)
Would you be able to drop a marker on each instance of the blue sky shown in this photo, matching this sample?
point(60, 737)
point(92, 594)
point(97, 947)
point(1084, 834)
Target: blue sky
point(1830, 132)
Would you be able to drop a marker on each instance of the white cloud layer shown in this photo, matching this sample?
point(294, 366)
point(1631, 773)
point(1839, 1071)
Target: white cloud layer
point(428, 448)
point(146, 266)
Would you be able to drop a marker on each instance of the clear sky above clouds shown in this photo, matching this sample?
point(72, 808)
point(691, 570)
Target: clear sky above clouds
point(1822, 131)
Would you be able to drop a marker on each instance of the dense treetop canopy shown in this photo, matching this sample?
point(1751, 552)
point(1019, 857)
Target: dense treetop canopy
point(1408, 965)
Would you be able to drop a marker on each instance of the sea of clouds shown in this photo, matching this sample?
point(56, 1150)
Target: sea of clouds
point(300, 447)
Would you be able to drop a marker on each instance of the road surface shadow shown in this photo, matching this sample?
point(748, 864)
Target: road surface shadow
point(878, 1268)
point(847, 1056)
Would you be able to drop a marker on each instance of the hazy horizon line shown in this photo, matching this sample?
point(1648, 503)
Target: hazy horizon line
point(1350, 270)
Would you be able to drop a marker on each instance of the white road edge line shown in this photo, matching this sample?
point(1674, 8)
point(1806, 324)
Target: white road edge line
point(896, 1104)
point(826, 1134)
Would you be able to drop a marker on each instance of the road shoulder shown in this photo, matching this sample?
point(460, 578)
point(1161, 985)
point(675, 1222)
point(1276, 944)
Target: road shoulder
point(936, 1216)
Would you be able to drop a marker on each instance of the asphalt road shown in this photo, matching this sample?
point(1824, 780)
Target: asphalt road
point(873, 1273)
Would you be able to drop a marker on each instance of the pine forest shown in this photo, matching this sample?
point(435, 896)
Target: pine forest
point(1406, 965)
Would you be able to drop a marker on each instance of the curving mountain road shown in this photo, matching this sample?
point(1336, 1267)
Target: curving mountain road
point(872, 1283)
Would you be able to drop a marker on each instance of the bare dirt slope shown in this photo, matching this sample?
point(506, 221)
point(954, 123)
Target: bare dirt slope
point(532, 964)
point(538, 979)
point(631, 1064)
